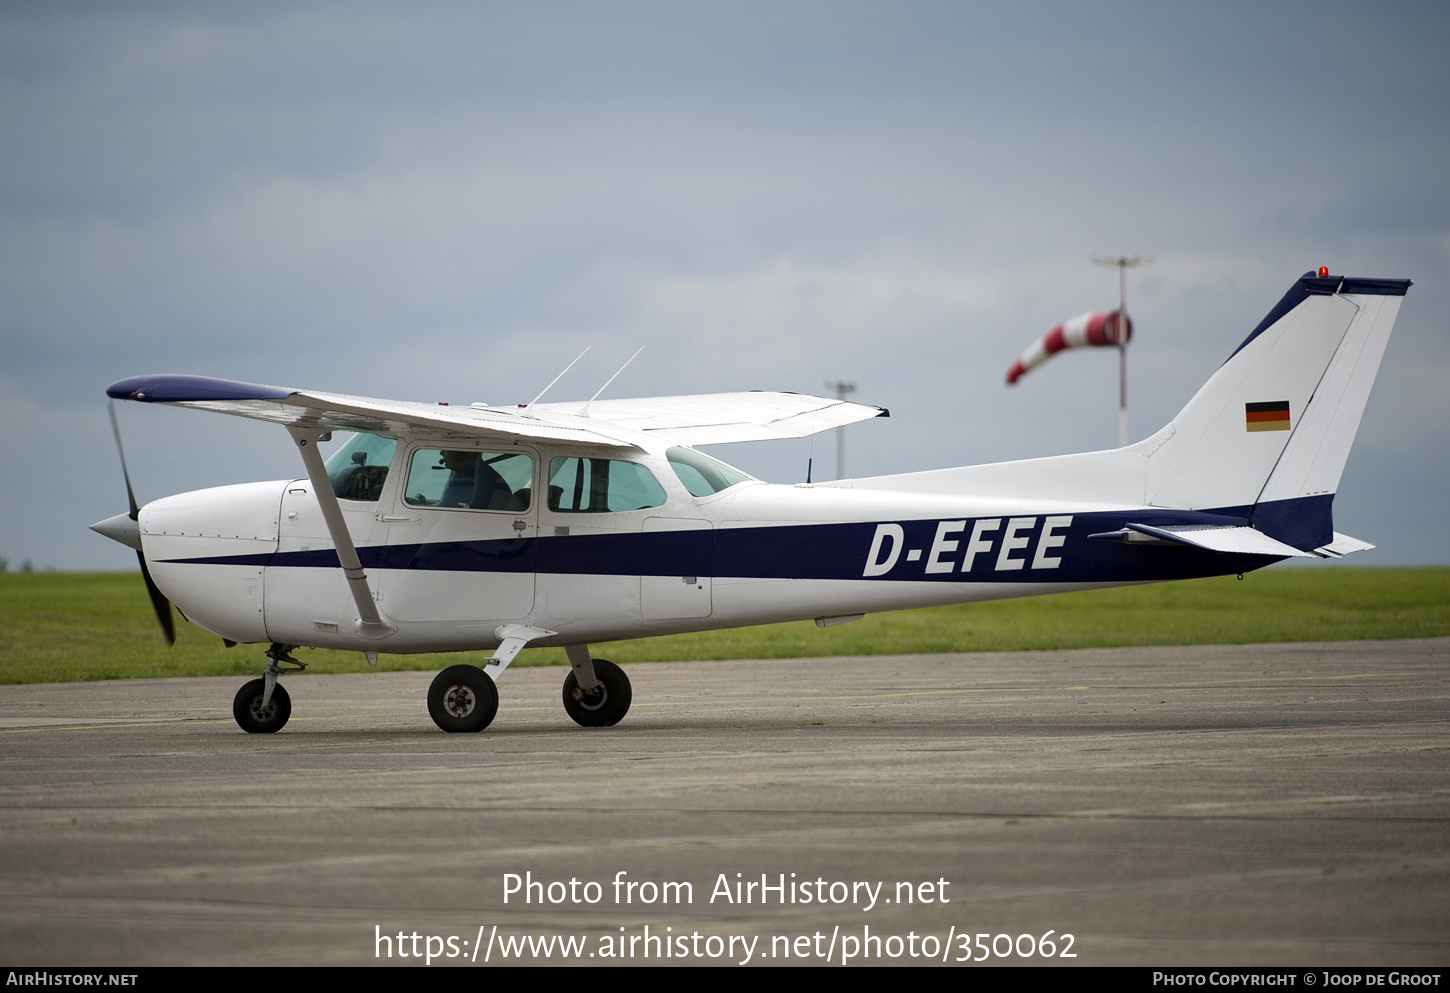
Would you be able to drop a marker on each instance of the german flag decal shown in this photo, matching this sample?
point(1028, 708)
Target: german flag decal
point(1271, 416)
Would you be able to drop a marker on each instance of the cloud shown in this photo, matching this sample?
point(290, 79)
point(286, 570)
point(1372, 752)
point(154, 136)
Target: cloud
point(450, 202)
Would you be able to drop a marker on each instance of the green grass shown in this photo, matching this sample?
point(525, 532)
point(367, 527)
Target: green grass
point(64, 627)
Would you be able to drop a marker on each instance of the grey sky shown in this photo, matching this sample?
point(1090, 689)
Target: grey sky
point(448, 202)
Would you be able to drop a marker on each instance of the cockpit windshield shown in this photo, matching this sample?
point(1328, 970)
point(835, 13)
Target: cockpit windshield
point(360, 467)
point(702, 475)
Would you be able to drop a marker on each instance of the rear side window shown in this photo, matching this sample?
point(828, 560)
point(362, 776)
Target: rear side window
point(701, 474)
point(597, 486)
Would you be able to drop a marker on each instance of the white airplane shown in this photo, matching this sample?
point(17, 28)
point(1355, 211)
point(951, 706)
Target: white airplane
point(444, 528)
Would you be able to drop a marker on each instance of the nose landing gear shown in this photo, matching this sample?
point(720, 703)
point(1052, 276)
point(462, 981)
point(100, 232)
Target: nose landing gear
point(253, 715)
point(263, 706)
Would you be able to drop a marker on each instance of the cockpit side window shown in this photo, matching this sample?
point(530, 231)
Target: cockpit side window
point(359, 468)
point(469, 480)
point(702, 475)
point(597, 486)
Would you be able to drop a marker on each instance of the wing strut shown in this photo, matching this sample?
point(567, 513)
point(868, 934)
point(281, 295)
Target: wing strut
point(371, 624)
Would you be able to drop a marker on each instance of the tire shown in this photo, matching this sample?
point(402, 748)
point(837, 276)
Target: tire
point(606, 708)
point(462, 698)
point(247, 708)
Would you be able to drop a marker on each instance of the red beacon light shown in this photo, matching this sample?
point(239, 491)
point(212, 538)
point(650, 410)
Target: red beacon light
point(1323, 270)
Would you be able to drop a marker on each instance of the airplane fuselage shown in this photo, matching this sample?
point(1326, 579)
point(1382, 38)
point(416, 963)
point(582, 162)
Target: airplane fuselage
point(254, 563)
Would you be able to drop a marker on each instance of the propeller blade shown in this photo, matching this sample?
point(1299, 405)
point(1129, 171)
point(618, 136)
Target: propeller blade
point(130, 493)
point(159, 603)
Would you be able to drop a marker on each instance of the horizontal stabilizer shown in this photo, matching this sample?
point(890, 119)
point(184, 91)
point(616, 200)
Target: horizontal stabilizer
point(1235, 540)
point(1342, 545)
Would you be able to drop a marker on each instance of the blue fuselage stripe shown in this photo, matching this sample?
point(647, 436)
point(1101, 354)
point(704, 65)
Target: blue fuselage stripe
point(1040, 549)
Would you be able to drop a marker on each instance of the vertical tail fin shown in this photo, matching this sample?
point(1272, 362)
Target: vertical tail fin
point(1271, 430)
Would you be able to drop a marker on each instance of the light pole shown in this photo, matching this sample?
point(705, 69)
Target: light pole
point(843, 388)
point(1122, 263)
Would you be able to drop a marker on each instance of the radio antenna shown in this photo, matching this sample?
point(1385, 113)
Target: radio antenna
point(585, 411)
point(558, 377)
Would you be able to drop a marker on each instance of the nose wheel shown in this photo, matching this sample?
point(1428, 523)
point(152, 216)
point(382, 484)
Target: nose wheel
point(253, 715)
point(263, 706)
point(462, 698)
point(609, 702)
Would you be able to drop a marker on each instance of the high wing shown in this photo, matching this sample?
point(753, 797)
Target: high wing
point(336, 411)
point(689, 420)
point(720, 418)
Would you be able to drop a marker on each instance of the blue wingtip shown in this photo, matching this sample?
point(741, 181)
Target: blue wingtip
point(168, 388)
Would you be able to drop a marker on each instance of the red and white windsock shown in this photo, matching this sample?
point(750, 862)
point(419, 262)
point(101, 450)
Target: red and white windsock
point(1084, 330)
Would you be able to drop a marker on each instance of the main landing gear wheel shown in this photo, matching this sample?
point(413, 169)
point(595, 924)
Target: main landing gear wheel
point(462, 698)
point(252, 716)
point(607, 705)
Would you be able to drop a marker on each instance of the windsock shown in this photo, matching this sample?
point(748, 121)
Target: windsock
point(1085, 329)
